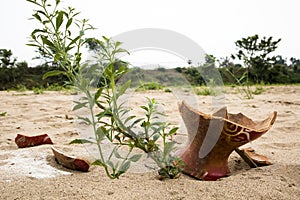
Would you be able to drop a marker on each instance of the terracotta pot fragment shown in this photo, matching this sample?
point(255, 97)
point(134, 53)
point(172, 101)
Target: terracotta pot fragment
point(259, 160)
point(212, 138)
point(23, 141)
point(70, 162)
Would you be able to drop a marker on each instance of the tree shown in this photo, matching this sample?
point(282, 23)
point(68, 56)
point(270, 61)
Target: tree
point(210, 59)
point(225, 62)
point(295, 64)
point(6, 59)
point(255, 53)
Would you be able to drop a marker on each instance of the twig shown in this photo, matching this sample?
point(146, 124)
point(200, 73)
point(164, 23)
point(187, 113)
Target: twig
point(246, 158)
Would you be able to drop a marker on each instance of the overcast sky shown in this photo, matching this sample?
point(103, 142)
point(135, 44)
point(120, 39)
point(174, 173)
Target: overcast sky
point(213, 24)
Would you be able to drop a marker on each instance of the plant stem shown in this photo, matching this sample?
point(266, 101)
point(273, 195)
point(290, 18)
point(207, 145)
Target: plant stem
point(91, 100)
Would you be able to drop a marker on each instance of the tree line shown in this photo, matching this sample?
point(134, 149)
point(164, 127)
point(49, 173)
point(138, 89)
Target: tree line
point(254, 62)
point(15, 75)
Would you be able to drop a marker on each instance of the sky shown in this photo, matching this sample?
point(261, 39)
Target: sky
point(214, 25)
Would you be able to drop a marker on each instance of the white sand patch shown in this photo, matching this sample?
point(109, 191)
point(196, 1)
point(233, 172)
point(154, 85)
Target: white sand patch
point(28, 162)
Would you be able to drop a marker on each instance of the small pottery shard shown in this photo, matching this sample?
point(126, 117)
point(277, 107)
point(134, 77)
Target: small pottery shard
point(23, 141)
point(258, 159)
point(70, 162)
point(212, 138)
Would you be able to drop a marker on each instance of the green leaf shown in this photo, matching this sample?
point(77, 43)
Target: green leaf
point(145, 108)
point(136, 122)
point(100, 132)
point(160, 124)
point(46, 22)
point(129, 118)
point(59, 20)
point(123, 111)
point(106, 39)
point(47, 42)
point(116, 153)
point(98, 94)
point(123, 88)
point(117, 44)
point(111, 164)
point(32, 45)
point(79, 105)
point(98, 162)
point(37, 31)
point(121, 70)
point(169, 146)
point(42, 12)
point(37, 16)
point(155, 137)
point(69, 22)
point(54, 73)
point(124, 167)
point(173, 130)
point(156, 130)
point(81, 141)
point(135, 157)
point(74, 41)
point(108, 70)
point(86, 120)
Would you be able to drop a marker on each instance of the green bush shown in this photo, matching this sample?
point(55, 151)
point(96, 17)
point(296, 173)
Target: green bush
point(204, 91)
point(150, 86)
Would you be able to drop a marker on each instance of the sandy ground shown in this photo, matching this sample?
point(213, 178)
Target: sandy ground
point(32, 173)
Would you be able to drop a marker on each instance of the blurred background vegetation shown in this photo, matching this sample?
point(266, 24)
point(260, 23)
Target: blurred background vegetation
point(254, 59)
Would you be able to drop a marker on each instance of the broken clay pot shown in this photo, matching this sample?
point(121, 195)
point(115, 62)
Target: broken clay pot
point(212, 138)
point(70, 162)
point(23, 141)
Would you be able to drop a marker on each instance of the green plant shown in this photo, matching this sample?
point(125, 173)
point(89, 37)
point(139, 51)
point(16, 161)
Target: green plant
point(149, 86)
point(154, 137)
point(205, 91)
point(21, 88)
point(3, 114)
point(168, 90)
point(170, 166)
point(258, 90)
point(120, 128)
point(57, 87)
point(38, 90)
point(242, 83)
point(56, 41)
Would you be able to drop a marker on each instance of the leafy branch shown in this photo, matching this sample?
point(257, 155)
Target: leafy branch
point(54, 39)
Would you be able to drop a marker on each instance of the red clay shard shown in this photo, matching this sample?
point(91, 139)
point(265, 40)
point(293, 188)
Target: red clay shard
point(70, 162)
point(212, 138)
point(23, 141)
point(259, 160)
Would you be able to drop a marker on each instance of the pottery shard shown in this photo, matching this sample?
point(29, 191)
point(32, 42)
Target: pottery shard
point(259, 160)
point(70, 162)
point(23, 141)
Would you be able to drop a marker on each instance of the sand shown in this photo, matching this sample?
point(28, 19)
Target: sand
point(32, 173)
